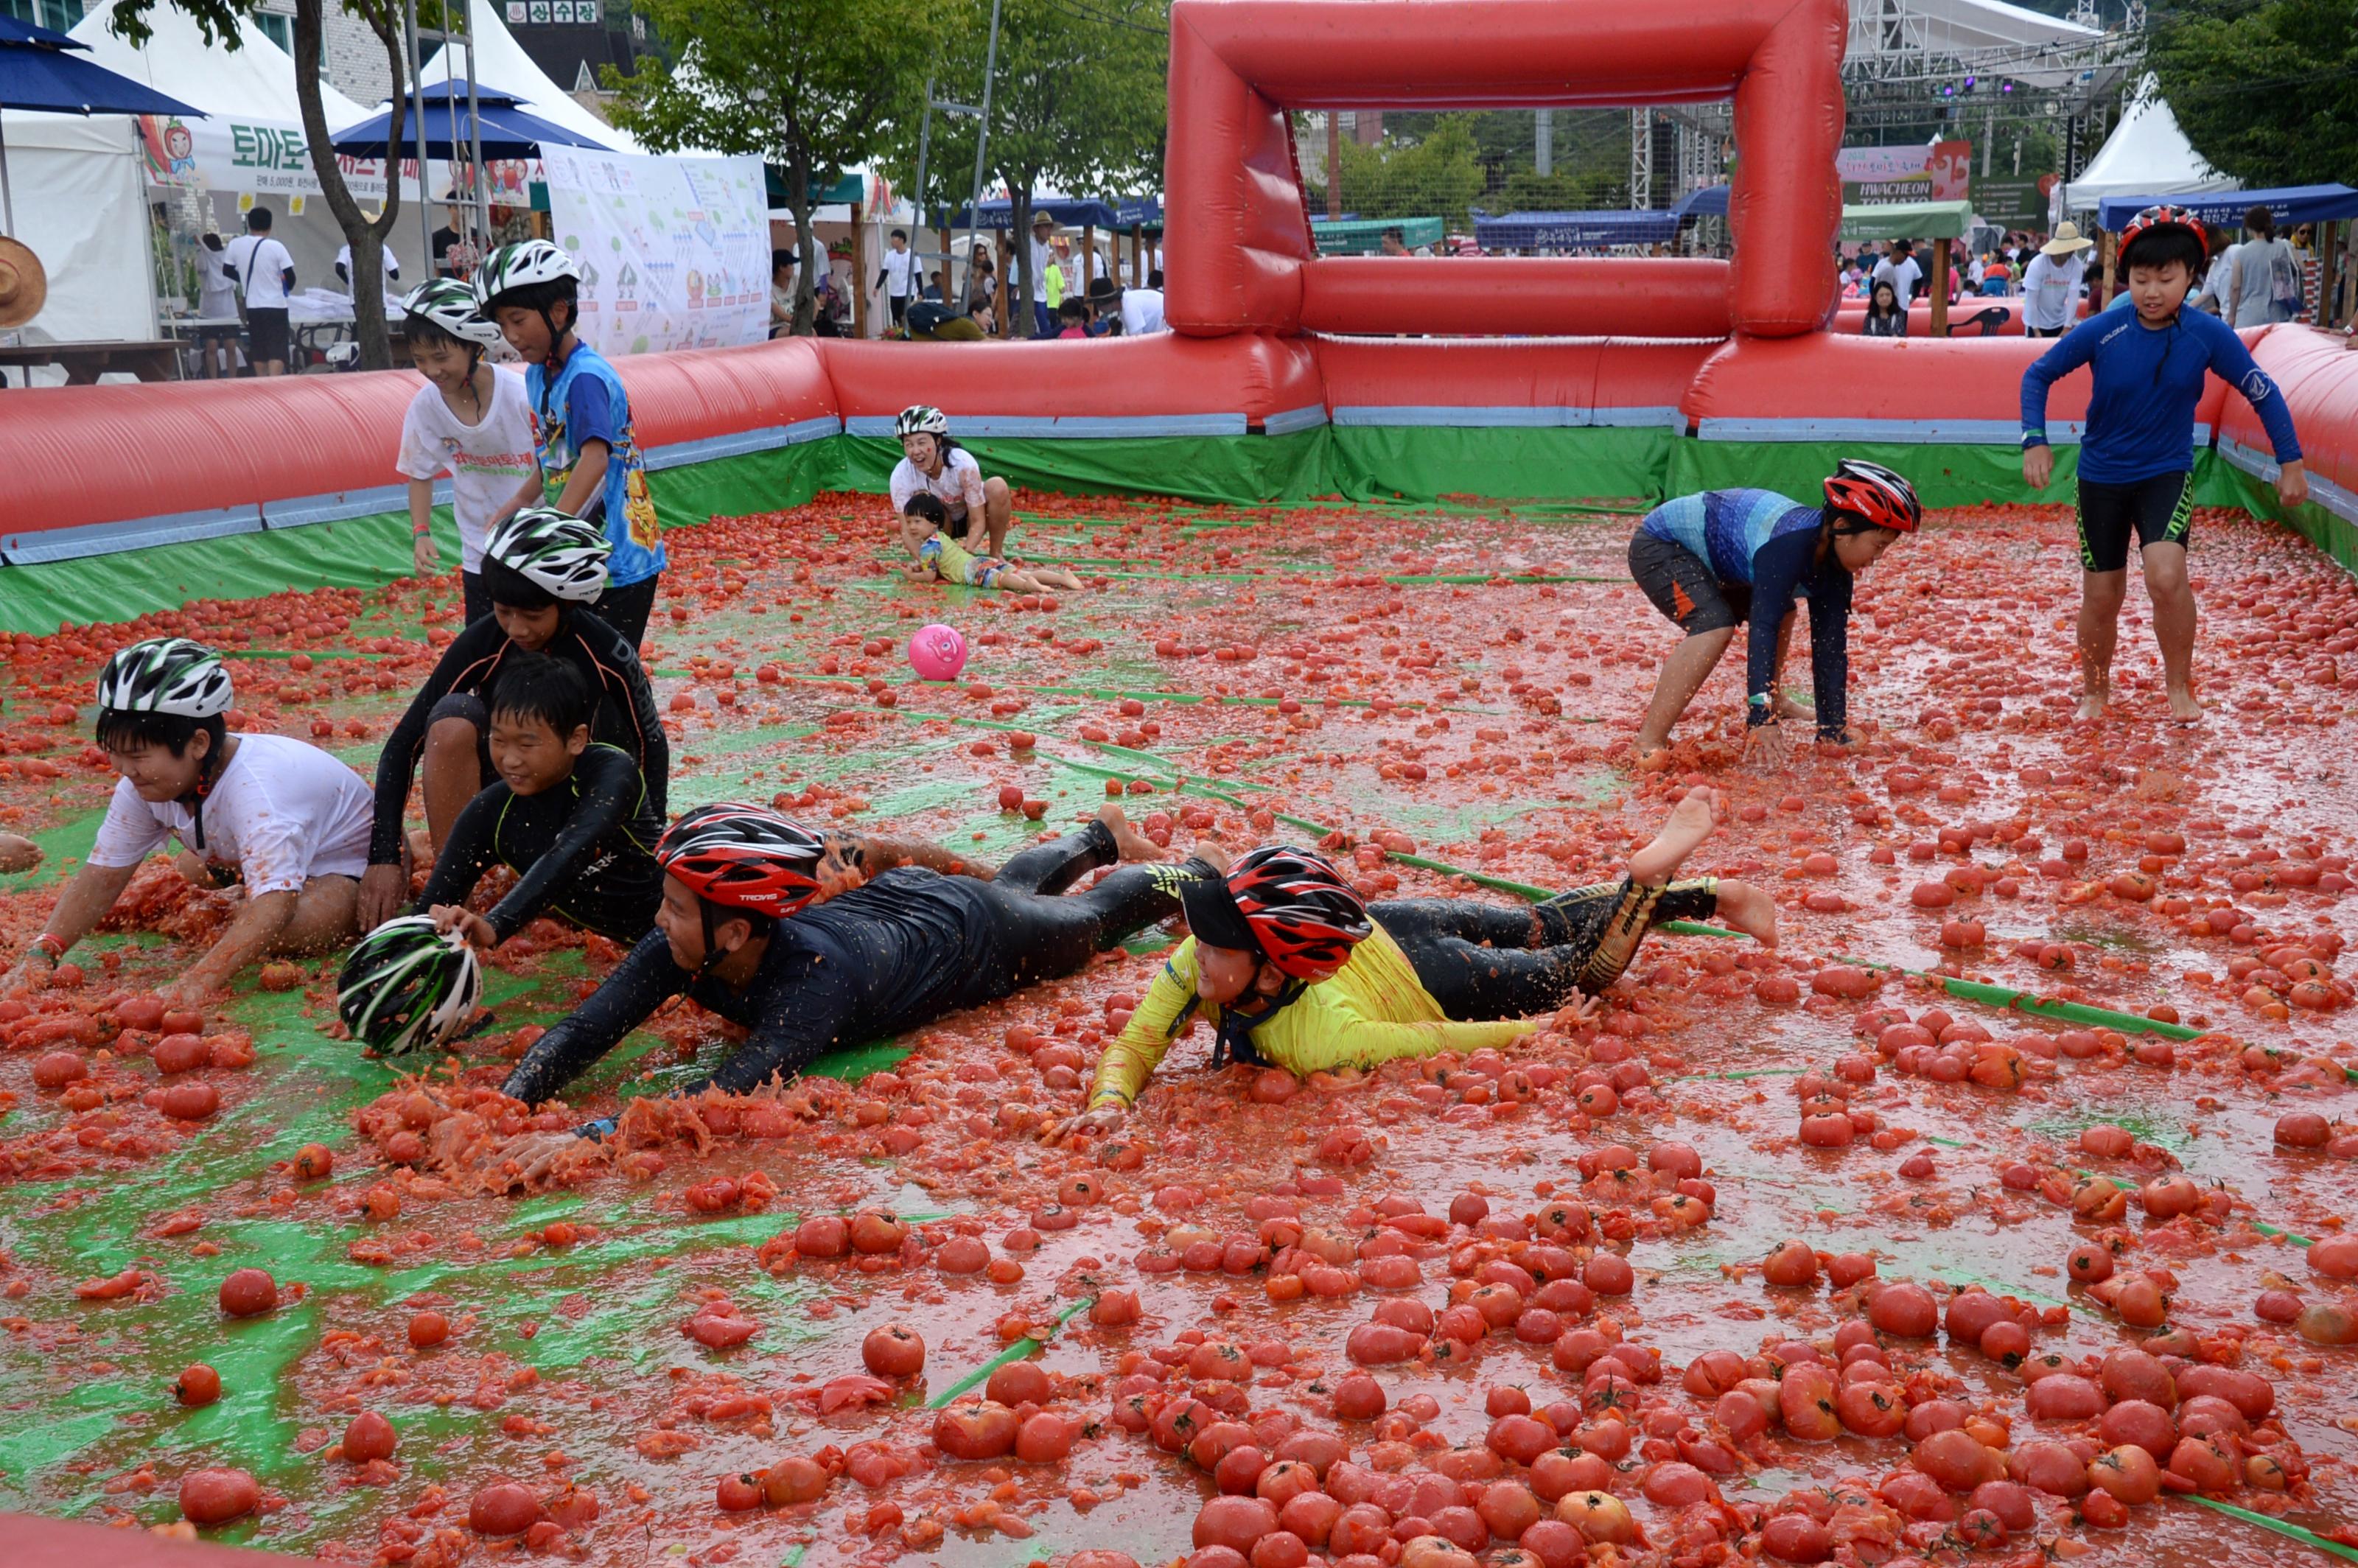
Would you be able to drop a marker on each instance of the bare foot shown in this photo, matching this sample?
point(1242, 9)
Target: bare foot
point(18, 853)
point(2092, 705)
point(1749, 909)
point(2185, 707)
point(1689, 824)
point(1132, 844)
point(1212, 854)
point(1788, 709)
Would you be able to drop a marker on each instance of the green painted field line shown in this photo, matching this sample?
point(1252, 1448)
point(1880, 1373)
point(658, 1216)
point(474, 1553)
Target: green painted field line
point(1742, 1073)
point(1015, 1352)
point(2013, 1000)
point(2289, 1530)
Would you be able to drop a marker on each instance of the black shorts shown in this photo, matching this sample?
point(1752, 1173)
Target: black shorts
point(2162, 510)
point(1685, 588)
point(2044, 331)
point(266, 334)
point(626, 608)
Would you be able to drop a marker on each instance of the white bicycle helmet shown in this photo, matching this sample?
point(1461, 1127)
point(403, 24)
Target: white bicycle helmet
point(521, 266)
point(166, 674)
point(407, 986)
point(558, 551)
point(918, 419)
point(451, 305)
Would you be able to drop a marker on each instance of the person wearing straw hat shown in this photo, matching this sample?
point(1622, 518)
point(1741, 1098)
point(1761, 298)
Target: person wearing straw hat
point(24, 286)
point(1044, 256)
point(2050, 284)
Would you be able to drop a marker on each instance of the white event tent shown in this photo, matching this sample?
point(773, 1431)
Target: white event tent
point(2147, 154)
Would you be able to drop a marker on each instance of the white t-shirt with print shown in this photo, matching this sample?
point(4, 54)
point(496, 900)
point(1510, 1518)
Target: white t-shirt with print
point(1902, 275)
point(896, 273)
point(2051, 290)
point(488, 463)
point(959, 484)
point(262, 266)
point(281, 812)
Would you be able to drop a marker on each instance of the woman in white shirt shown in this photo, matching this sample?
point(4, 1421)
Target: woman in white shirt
point(2251, 293)
point(933, 464)
point(281, 818)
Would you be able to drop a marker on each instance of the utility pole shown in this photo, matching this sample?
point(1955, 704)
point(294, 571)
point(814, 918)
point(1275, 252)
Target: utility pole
point(1544, 141)
point(1335, 165)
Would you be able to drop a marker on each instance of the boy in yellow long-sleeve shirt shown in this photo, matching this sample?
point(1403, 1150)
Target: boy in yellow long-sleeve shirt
point(1291, 968)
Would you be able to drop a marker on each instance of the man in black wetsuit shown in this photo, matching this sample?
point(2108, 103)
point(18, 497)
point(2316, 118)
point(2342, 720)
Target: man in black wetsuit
point(741, 932)
point(573, 818)
point(542, 570)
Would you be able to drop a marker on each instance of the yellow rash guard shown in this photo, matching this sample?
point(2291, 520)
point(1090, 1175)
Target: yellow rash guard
point(1372, 1009)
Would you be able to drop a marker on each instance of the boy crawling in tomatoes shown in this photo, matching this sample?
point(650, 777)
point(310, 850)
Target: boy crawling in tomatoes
point(1292, 967)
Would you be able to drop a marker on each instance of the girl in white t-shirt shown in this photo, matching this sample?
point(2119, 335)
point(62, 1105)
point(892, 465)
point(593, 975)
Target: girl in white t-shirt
point(469, 421)
point(284, 819)
point(933, 464)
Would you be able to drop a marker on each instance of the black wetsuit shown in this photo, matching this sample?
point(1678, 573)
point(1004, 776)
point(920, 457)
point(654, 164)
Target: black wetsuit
point(880, 960)
point(626, 713)
point(584, 849)
point(1490, 961)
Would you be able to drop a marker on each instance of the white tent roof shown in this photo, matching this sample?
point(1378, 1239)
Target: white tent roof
point(254, 82)
point(1987, 36)
point(499, 61)
point(2147, 154)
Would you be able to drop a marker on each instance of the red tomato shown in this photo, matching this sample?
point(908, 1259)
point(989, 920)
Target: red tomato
point(248, 1291)
point(428, 1329)
point(823, 1235)
point(503, 1507)
point(216, 1497)
point(894, 1351)
point(796, 1480)
point(200, 1385)
point(974, 1429)
point(369, 1436)
point(1236, 1523)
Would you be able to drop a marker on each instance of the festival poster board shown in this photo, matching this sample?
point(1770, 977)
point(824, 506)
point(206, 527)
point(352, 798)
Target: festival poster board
point(1941, 171)
point(675, 252)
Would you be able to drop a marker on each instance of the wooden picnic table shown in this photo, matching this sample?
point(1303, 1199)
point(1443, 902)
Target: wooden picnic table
point(151, 360)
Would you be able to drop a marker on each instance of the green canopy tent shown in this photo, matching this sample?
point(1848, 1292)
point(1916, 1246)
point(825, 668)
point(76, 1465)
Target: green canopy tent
point(1943, 222)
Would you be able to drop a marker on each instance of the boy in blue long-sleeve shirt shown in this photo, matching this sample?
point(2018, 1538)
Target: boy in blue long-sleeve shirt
point(2136, 458)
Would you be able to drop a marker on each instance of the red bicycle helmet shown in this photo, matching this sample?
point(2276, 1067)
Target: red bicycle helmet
point(1291, 904)
point(2165, 217)
point(1876, 493)
point(744, 857)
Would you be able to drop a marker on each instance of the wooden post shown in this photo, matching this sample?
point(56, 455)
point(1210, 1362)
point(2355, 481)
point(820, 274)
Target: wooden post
point(2329, 275)
point(1138, 256)
point(1088, 255)
point(860, 263)
point(1940, 288)
point(2103, 294)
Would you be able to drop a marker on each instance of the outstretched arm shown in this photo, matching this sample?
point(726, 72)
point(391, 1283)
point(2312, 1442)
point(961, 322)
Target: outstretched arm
point(251, 934)
point(642, 981)
point(871, 854)
point(84, 904)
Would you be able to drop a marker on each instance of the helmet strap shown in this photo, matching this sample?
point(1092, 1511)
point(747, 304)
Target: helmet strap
point(207, 771)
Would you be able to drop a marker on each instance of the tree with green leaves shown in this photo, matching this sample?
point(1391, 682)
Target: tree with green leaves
point(815, 86)
point(218, 20)
point(1080, 101)
point(1439, 175)
point(2265, 90)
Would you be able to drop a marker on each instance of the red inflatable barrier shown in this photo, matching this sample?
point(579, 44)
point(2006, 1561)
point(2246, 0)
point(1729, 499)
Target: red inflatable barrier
point(1596, 375)
point(1655, 297)
point(1055, 383)
point(704, 393)
point(1237, 263)
point(1850, 318)
point(2317, 375)
point(37, 1542)
point(79, 455)
point(1949, 388)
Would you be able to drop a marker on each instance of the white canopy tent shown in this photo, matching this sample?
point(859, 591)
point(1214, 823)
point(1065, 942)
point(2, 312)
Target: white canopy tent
point(255, 80)
point(501, 62)
point(2147, 154)
point(81, 206)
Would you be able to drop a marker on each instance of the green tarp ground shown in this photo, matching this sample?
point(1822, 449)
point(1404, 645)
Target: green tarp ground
point(1372, 464)
point(1944, 475)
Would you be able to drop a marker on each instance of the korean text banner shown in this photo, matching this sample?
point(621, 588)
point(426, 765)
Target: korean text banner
point(675, 252)
point(224, 152)
point(1941, 172)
